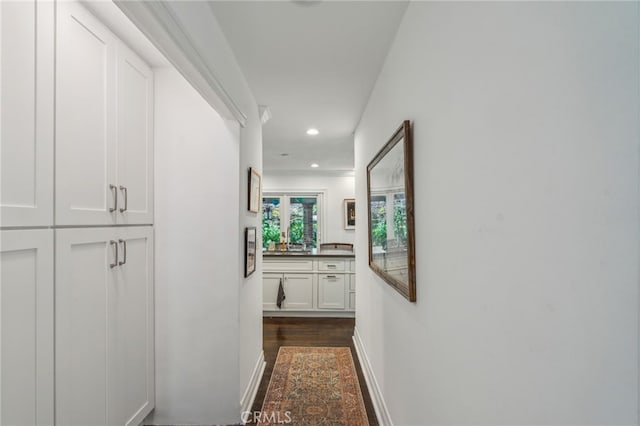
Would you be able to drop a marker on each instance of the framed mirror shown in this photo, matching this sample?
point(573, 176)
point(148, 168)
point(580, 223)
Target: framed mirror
point(391, 219)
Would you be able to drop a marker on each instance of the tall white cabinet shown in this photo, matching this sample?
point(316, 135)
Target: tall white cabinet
point(26, 113)
point(26, 327)
point(104, 104)
point(76, 110)
point(104, 345)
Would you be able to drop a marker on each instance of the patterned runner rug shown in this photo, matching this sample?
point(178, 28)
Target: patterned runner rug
point(314, 386)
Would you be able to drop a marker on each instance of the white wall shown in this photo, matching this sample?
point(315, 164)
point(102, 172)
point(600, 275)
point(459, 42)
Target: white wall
point(526, 191)
point(198, 37)
point(338, 188)
point(197, 265)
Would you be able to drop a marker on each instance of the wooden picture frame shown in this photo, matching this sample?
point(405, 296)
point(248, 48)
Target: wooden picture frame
point(255, 190)
point(250, 245)
point(391, 216)
point(349, 213)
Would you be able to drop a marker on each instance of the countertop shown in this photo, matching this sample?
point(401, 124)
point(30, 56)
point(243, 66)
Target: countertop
point(314, 253)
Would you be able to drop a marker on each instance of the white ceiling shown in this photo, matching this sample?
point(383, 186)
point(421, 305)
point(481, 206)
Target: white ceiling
point(314, 64)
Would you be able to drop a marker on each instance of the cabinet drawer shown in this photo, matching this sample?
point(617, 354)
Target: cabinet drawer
point(286, 265)
point(352, 266)
point(331, 265)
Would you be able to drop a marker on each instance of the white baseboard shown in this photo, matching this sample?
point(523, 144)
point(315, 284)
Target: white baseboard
point(254, 383)
point(380, 407)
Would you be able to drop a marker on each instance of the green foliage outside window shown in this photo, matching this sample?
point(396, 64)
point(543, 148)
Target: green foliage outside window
point(400, 219)
point(270, 222)
point(379, 223)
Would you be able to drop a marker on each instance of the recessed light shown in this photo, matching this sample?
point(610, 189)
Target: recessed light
point(314, 165)
point(312, 132)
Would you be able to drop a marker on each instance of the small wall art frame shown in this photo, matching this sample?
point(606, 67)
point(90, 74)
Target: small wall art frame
point(349, 212)
point(255, 190)
point(391, 215)
point(249, 250)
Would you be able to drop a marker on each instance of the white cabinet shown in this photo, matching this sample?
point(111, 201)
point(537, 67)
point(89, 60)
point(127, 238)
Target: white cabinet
point(312, 285)
point(298, 289)
point(85, 118)
point(135, 139)
point(270, 284)
point(26, 113)
point(104, 326)
point(104, 102)
point(331, 291)
point(26, 312)
point(352, 292)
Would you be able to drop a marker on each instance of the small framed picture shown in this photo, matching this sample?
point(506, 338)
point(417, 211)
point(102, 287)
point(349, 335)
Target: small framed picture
point(255, 192)
point(349, 214)
point(249, 251)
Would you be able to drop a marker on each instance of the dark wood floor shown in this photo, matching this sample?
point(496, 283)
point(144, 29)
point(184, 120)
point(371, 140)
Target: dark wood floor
point(308, 332)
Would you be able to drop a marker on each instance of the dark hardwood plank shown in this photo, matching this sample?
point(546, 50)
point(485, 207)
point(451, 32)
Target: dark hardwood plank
point(308, 332)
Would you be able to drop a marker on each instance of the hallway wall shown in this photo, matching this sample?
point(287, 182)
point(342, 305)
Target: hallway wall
point(526, 189)
point(197, 240)
point(188, 33)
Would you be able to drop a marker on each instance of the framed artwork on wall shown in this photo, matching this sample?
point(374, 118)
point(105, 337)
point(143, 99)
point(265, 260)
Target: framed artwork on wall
point(249, 251)
point(254, 192)
point(349, 214)
point(391, 215)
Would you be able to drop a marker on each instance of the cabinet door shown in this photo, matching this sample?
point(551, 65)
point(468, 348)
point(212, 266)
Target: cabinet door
point(26, 318)
point(84, 291)
point(132, 390)
point(298, 289)
point(135, 138)
point(270, 284)
point(26, 113)
point(331, 291)
point(85, 119)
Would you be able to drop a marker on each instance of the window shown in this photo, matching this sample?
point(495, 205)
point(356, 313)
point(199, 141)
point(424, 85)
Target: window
point(291, 217)
point(379, 221)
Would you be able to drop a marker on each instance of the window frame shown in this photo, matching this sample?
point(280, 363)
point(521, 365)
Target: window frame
point(285, 197)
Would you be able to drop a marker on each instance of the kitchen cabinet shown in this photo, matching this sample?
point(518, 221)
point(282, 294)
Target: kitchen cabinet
point(104, 325)
point(26, 113)
point(299, 291)
point(298, 288)
point(352, 285)
point(104, 116)
point(314, 285)
point(26, 312)
point(270, 285)
point(331, 291)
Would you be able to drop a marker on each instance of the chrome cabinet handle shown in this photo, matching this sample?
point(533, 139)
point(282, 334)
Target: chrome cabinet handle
point(124, 249)
point(115, 198)
point(332, 266)
point(115, 263)
point(331, 277)
point(126, 198)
